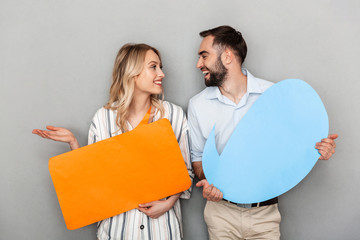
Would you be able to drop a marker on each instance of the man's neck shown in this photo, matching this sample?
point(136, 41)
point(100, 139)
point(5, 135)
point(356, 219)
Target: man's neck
point(235, 86)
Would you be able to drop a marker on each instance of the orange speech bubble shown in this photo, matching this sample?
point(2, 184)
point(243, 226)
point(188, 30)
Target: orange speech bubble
point(117, 174)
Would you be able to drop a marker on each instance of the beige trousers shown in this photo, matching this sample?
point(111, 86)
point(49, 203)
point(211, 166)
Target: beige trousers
point(228, 221)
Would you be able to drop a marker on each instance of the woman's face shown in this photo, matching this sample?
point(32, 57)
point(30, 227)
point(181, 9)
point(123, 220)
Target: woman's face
point(150, 79)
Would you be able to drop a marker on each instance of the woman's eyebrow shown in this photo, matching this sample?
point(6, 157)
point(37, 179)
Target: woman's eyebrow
point(153, 62)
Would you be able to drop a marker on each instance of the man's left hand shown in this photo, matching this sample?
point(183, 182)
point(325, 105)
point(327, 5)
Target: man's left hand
point(326, 147)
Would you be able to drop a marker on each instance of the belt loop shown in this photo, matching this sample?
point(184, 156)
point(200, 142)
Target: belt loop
point(258, 204)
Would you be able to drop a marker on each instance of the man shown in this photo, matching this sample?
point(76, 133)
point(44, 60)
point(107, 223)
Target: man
point(231, 91)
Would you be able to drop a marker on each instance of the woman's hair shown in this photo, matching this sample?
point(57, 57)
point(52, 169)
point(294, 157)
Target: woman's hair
point(129, 63)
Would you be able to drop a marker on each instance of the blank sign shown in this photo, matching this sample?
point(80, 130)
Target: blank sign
point(272, 148)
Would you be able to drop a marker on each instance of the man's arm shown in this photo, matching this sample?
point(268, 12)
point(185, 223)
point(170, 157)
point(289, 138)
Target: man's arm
point(197, 141)
point(197, 166)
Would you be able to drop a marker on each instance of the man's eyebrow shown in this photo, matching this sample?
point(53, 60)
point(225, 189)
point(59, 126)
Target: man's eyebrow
point(202, 52)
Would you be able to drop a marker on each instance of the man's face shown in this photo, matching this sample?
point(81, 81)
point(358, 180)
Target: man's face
point(210, 63)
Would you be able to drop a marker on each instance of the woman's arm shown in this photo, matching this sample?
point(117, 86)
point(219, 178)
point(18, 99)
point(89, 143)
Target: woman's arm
point(58, 134)
point(157, 208)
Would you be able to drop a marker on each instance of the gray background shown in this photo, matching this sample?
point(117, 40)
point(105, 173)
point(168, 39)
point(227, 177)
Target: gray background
point(56, 59)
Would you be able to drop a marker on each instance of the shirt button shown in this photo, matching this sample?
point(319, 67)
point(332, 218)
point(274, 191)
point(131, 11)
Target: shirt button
point(141, 227)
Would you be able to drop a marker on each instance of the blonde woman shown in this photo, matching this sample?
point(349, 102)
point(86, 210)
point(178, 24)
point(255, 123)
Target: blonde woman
point(136, 86)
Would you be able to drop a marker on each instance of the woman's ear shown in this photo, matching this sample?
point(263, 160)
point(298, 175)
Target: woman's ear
point(135, 78)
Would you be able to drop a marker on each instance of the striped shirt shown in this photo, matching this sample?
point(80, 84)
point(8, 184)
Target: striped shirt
point(134, 224)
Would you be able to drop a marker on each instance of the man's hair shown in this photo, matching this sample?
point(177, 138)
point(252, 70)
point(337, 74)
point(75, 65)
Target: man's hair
point(226, 36)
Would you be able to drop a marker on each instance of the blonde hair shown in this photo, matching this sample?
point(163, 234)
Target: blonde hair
point(128, 65)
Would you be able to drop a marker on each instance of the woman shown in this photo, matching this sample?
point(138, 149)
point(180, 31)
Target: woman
point(136, 87)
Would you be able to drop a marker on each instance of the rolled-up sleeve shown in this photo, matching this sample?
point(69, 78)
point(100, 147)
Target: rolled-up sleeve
point(185, 150)
point(197, 141)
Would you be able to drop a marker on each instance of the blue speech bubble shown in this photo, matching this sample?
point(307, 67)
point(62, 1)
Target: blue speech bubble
point(272, 148)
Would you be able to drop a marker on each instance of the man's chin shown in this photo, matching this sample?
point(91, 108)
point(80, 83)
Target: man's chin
point(211, 83)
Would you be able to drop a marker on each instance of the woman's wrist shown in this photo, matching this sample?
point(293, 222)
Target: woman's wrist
point(74, 144)
point(172, 199)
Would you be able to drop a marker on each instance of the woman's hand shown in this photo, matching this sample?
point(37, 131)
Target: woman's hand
point(157, 208)
point(58, 134)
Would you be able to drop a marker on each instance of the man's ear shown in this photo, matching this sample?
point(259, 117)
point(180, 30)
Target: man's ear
point(227, 56)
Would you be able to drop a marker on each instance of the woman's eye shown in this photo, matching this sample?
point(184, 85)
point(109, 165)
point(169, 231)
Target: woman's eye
point(153, 67)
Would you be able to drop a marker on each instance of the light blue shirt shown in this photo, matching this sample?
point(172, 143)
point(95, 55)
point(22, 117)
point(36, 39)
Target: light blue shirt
point(210, 107)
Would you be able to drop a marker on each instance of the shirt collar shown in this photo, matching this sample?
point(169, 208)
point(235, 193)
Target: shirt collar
point(252, 87)
point(252, 83)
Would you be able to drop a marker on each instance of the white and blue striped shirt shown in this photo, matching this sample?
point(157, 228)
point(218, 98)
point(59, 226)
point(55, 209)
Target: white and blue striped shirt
point(135, 224)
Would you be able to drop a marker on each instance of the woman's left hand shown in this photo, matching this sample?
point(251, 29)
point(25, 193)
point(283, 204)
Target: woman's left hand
point(157, 208)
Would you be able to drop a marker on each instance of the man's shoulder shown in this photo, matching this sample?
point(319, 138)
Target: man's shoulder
point(201, 96)
point(263, 84)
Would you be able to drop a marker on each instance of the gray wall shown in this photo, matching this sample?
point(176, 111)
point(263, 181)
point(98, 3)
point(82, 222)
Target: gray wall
point(55, 67)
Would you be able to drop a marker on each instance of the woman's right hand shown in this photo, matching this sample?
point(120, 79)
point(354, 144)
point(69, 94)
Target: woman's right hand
point(58, 134)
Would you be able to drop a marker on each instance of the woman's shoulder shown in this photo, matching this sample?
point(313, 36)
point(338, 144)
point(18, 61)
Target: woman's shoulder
point(103, 113)
point(172, 108)
point(100, 111)
point(175, 114)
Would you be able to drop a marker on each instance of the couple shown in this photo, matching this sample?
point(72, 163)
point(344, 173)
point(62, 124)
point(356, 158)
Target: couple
point(137, 87)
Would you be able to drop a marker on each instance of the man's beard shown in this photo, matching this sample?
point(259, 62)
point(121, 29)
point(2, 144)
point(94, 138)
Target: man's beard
point(218, 75)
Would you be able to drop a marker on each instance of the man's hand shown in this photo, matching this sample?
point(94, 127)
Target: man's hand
point(210, 192)
point(326, 147)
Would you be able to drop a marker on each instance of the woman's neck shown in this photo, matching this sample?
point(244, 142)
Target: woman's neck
point(138, 108)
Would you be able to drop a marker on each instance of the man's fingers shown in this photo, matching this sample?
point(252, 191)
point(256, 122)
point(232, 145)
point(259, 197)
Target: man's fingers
point(325, 154)
point(218, 196)
point(325, 148)
point(328, 141)
point(202, 183)
point(212, 194)
point(207, 191)
point(333, 136)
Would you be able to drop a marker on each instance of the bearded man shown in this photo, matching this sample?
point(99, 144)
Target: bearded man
point(231, 91)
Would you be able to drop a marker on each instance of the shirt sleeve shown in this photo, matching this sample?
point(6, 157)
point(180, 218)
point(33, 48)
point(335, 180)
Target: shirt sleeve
point(197, 141)
point(93, 135)
point(185, 150)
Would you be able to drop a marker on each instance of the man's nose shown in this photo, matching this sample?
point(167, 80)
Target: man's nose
point(199, 63)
